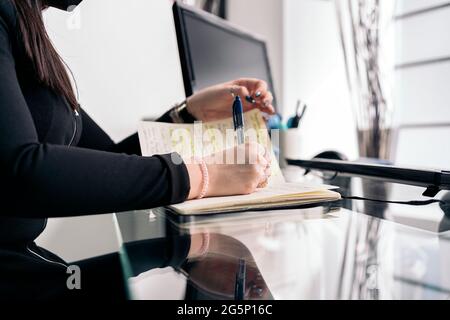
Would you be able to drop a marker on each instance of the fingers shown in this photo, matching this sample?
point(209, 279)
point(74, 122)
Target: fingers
point(257, 95)
point(268, 156)
point(263, 167)
point(259, 163)
point(241, 91)
point(262, 151)
point(256, 170)
point(262, 162)
point(255, 86)
point(255, 153)
point(261, 87)
point(264, 177)
point(267, 171)
point(265, 102)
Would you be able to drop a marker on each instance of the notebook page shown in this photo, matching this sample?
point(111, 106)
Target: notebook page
point(163, 138)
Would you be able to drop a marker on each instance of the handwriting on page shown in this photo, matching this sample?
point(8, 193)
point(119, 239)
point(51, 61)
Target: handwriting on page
point(203, 139)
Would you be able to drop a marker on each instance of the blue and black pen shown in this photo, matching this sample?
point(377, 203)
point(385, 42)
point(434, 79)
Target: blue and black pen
point(238, 120)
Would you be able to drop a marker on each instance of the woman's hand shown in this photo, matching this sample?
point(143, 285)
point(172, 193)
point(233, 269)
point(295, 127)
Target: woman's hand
point(212, 265)
point(236, 171)
point(214, 103)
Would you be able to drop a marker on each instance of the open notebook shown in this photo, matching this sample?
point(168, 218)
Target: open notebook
point(163, 138)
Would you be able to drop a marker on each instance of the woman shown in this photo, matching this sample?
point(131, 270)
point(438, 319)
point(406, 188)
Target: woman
point(56, 162)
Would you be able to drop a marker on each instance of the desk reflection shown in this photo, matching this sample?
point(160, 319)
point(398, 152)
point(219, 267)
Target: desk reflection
point(314, 253)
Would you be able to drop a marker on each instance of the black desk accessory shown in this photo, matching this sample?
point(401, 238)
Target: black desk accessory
point(433, 180)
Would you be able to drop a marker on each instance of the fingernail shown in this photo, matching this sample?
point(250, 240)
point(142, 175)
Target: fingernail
point(258, 94)
point(250, 100)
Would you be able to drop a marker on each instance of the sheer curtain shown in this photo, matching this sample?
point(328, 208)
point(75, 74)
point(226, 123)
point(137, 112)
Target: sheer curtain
point(366, 28)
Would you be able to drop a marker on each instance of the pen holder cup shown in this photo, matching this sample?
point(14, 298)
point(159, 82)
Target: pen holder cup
point(290, 146)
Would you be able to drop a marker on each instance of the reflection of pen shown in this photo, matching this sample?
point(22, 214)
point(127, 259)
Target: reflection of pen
point(238, 119)
point(239, 290)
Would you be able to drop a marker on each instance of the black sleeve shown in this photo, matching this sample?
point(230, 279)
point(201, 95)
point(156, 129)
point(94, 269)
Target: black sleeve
point(165, 117)
point(44, 180)
point(158, 253)
point(93, 137)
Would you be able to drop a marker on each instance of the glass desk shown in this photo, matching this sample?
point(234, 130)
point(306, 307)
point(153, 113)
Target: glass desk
point(343, 250)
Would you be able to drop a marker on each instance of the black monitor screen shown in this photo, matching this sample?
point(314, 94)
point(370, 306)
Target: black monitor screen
point(218, 53)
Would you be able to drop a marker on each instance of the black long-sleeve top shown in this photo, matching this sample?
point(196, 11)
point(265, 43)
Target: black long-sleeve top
point(57, 163)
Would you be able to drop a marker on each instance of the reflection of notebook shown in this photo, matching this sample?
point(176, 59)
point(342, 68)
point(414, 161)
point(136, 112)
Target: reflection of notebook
point(162, 138)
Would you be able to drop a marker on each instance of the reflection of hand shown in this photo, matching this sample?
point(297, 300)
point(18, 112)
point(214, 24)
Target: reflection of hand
point(199, 245)
point(214, 103)
point(215, 276)
point(215, 273)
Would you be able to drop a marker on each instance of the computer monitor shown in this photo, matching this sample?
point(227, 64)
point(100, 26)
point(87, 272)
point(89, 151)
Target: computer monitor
point(212, 51)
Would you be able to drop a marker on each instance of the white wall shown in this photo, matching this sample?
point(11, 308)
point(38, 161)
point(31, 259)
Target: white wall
point(124, 56)
point(125, 59)
point(314, 72)
point(265, 18)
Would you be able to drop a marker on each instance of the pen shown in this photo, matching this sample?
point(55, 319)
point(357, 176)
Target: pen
point(239, 290)
point(250, 99)
point(238, 120)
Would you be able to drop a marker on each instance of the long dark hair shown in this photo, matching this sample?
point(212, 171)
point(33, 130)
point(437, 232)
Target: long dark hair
point(49, 66)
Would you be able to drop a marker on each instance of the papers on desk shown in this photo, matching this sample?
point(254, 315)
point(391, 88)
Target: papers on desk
point(163, 138)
